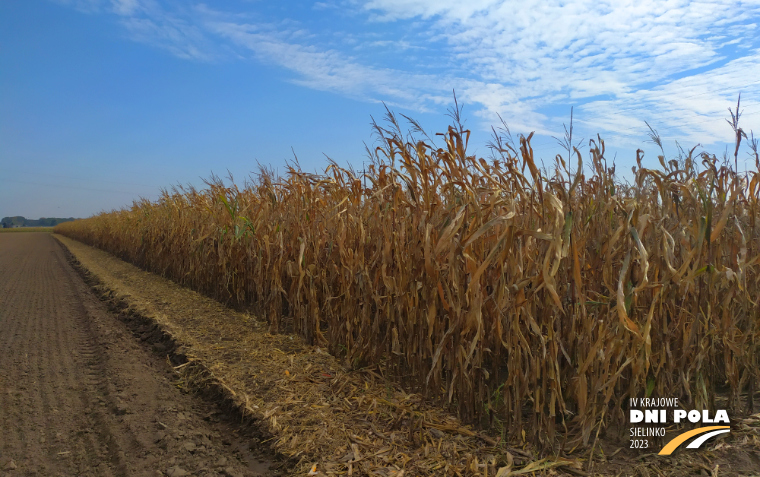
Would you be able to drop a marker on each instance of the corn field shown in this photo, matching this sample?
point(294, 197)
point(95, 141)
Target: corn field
point(534, 301)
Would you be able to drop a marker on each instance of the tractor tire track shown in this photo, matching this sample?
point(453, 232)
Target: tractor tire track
point(79, 395)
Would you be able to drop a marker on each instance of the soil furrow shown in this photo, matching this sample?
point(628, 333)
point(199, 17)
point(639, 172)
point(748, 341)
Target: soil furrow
point(79, 395)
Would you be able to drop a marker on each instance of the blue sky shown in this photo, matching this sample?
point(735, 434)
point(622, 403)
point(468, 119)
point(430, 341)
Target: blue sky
point(105, 101)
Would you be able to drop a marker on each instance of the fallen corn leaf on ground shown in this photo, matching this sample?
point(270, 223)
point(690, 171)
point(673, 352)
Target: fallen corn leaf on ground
point(329, 421)
point(317, 413)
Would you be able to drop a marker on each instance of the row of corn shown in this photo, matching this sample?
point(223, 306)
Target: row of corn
point(530, 300)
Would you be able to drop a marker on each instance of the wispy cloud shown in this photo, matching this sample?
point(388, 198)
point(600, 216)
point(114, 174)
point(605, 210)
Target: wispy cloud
point(646, 58)
point(684, 108)
point(126, 7)
point(674, 63)
point(173, 34)
point(329, 69)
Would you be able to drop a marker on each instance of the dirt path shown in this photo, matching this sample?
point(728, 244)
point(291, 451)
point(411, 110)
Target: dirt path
point(79, 395)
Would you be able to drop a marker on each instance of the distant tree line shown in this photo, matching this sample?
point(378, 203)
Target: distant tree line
point(19, 221)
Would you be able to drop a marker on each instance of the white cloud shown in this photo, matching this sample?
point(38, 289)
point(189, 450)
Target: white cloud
point(172, 34)
point(125, 7)
point(575, 51)
point(688, 108)
point(675, 63)
point(327, 69)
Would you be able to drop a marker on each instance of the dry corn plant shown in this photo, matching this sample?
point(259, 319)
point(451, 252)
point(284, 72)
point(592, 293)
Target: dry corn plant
point(539, 302)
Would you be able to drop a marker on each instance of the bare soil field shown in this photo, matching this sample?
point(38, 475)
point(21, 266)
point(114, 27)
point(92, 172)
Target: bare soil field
point(79, 395)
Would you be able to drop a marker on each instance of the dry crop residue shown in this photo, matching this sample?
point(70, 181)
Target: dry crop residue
point(353, 422)
point(317, 412)
point(79, 395)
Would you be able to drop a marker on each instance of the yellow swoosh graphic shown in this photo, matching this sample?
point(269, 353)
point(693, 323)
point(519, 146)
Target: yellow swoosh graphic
point(681, 438)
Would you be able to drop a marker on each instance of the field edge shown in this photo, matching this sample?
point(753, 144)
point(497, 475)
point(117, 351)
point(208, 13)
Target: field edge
point(192, 373)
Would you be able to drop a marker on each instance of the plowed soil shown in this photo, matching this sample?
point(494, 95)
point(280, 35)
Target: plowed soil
point(80, 395)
